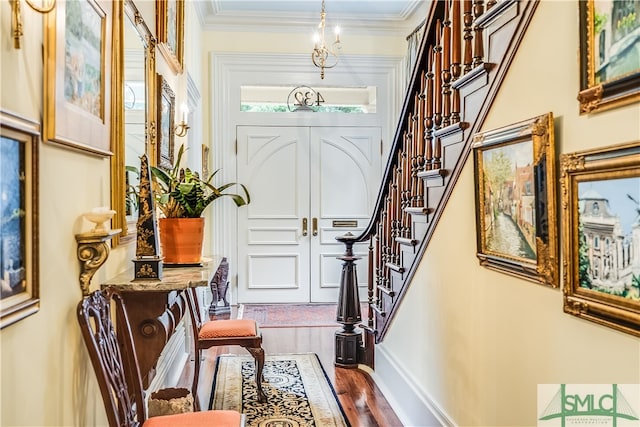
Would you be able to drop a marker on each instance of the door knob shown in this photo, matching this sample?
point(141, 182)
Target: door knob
point(304, 227)
point(314, 226)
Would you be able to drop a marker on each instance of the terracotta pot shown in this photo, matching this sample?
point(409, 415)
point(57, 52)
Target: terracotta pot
point(181, 240)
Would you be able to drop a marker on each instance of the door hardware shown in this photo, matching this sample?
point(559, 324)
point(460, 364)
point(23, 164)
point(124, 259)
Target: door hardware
point(314, 226)
point(304, 226)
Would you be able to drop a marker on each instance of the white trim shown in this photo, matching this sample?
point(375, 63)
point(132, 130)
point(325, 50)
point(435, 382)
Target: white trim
point(231, 70)
point(171, 361)
point(302, 17)
point(411, 404)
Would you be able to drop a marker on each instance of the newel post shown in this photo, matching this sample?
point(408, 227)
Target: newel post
point(348, 341)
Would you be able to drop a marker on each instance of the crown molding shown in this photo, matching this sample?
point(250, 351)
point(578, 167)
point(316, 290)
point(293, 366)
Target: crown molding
point(213, 17)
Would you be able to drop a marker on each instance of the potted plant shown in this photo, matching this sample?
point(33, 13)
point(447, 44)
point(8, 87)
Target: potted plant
point(181, 196)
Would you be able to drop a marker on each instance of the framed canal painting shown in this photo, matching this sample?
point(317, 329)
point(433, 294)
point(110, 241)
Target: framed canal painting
point(515, 200)
point(19, 296)
point(601, 235)
point(77, 75)
point(609, 54)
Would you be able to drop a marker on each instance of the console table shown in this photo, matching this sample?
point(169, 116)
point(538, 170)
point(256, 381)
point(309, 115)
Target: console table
point(155, 307)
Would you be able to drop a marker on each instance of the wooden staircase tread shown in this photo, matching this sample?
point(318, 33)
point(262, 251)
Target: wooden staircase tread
point(418, 210)
point(395, 267)
point(380, 312)
point(451, 129)
point(406, 241)
point(480, 71)
point(433, 174)
point(386, 291)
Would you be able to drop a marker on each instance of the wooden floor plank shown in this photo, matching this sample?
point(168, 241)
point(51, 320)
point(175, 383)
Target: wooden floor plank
point(362, 401)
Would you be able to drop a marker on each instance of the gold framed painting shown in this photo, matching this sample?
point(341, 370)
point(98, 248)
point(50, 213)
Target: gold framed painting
point(20, 295)
point(77, 75)
point(609, 54)
point(601, 235)
point(515, 200)
point(170, 25)
point(166, 124)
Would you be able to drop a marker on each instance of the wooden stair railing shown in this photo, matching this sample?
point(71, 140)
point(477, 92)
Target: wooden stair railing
point(465, 52)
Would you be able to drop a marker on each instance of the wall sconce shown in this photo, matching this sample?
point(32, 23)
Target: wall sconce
point(182, 128)
point(16, 17)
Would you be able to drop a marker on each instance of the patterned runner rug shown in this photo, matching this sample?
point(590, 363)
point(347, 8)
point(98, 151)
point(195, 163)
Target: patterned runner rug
point(298, 391)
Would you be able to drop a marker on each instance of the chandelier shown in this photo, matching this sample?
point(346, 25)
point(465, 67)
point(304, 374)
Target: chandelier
point(322, 55)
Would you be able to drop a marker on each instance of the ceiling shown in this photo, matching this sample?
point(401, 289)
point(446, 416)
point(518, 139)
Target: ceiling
point(397, 17)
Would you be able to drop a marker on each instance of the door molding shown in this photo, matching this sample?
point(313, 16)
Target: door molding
point(231, 70)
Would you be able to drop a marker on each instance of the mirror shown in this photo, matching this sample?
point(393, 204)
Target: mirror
point(135, 117)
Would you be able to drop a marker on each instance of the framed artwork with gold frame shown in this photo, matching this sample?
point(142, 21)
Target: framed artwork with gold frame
point(77, 75)
point(170, 25)
point(20, 292)
point(166, 123)
point(609, 52)
point(601, 235)
point(515, 200)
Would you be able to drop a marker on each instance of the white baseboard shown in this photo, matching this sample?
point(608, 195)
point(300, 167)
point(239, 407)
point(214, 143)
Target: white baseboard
point(171, 361)
point(413, 406)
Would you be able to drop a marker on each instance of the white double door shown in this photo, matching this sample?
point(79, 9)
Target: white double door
point(308, 185)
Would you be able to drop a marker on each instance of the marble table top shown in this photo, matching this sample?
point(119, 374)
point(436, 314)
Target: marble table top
point(173, 278)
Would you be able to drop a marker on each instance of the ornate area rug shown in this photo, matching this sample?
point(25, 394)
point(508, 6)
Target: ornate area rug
point(297, 388)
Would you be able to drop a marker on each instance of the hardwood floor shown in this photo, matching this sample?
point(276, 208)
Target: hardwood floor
point(361, 400)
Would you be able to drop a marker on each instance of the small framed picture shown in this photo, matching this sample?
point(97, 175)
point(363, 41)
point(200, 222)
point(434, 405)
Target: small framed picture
point(170, 24)
point(609, 65)
point(205, 162)
point(515, 200)
point(77, 75)
point(601, 235)
point(19, 295)
point(166, 124)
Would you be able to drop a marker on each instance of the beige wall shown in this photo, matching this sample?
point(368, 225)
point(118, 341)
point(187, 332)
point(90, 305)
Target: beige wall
point(485, 340)
point(47, 379)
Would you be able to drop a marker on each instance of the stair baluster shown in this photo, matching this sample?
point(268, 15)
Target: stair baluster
point(428, 151)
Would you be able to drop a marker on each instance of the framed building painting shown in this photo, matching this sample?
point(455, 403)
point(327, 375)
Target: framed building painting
point(609, 54)
point(77, 75)
point(601, 235)
point(515, 200)
point(166, 124)
point(170, 24)
point(19, 295)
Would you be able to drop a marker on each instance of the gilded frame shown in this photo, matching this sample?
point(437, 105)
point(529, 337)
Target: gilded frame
point(77, 76)
point(128, 10)
point(515, 194)
point(608, 76)
point(601, 224)
point(20, 294)
point(170, 25)
point(166, 124)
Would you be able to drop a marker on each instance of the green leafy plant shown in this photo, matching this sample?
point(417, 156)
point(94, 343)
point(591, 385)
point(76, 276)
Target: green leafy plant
point(180, 193)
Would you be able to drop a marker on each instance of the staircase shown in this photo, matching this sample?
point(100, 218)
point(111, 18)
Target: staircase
point(465, 53)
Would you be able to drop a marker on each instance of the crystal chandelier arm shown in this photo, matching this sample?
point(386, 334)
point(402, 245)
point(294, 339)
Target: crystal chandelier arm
point(323, 56)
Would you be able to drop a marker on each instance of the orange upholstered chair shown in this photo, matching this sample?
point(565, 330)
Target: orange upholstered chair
point(212, 333)
point(116, 367)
